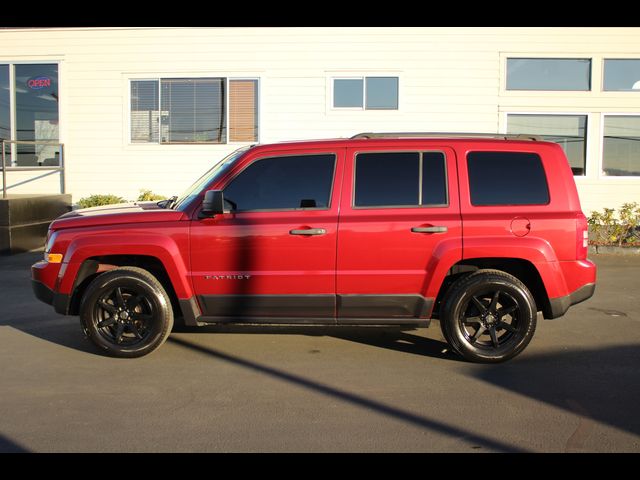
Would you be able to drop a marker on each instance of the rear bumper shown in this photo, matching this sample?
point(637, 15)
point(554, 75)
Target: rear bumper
point(559, 306)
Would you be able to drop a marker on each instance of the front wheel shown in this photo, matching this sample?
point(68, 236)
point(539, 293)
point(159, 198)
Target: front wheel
point(126, 312)
point(488, 316)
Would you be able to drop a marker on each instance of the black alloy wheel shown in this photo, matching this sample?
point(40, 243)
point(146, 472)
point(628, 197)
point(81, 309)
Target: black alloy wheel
point(126, 312)
point(126, 316)
point(488, 316)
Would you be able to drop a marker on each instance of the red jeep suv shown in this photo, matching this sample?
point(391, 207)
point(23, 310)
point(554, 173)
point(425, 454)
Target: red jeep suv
point(481, 232)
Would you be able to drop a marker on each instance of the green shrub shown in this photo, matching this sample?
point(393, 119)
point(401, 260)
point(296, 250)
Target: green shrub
point(148, 196)
point(621, 230)
point(98, 200)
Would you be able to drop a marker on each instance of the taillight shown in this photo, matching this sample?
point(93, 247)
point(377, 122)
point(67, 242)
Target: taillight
point(582, 237)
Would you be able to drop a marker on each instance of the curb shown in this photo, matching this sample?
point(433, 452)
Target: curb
point(613, 250)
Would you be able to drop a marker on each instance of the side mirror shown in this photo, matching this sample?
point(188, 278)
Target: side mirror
point(213, 203)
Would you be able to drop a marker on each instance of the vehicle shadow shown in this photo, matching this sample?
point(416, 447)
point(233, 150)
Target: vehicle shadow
point(394, 338)
point(9, 446)
point(421, 421)
point(601, 384)
point(19, 309)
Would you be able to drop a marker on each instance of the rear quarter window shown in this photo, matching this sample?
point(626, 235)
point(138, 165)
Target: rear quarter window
point(507, 178)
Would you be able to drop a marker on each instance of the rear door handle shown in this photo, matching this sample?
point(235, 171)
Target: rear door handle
point(434, 229)
point(308, 231)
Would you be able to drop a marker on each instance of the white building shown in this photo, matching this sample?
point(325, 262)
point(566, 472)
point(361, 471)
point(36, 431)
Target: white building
point(153, 108)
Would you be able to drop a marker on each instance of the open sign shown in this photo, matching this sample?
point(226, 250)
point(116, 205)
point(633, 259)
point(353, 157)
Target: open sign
point(38, 83)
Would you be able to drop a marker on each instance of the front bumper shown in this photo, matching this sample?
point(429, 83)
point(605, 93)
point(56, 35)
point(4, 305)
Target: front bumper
point(43, 283)
point(42, 292)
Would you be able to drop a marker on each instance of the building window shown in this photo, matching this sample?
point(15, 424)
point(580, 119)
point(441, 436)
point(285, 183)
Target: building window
point(370, 93)
point(507, 178)
point(348, 92)
point(621, 145)
point(35, 117)
point(548, 74)
point(145, 114)
point(243, 110)
point(381, 93)
point(194, 110)
point(569, 131)
point(5, 109)
point(418, 179)
point(621, 75)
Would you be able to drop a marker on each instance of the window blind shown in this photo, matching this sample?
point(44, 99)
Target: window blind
point(243, 111)
point(192, 110)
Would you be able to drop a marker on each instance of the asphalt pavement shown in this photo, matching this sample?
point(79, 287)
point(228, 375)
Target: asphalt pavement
point(576, 388)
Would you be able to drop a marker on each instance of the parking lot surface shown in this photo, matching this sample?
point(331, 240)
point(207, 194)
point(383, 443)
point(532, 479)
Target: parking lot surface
point(576, 388)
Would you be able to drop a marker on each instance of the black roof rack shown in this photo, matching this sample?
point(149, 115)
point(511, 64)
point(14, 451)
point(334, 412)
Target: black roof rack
point(503, 136)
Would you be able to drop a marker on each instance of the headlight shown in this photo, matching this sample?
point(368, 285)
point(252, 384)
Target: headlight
point(51, 257)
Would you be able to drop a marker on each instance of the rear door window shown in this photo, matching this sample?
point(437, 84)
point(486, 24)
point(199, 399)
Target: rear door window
point(400, 179)
point(507, 178)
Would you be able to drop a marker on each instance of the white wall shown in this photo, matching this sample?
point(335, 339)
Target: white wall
point(450, 80)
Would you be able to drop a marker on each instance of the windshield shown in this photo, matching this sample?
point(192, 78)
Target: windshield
point(219, 169)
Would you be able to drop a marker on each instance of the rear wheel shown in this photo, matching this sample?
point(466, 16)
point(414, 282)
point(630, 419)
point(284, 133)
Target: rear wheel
point(126, 312)
point(488, 316)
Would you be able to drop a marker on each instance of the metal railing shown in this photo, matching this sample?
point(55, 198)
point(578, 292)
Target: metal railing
point(39, 166)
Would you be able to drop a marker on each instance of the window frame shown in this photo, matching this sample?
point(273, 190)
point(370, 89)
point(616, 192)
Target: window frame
point(588, 153)
point(332, 79)
point(603, 71)
point(177, 76)
point(420, 172)
point(615, 178)
point(275, 155)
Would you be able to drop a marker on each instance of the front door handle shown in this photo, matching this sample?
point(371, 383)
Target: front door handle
point(433, 229)
point(308, 231)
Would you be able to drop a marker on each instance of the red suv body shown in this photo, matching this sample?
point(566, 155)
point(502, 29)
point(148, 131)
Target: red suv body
point(481, 233)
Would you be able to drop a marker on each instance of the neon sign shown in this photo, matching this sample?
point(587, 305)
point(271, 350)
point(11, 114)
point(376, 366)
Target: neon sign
point(38, 83)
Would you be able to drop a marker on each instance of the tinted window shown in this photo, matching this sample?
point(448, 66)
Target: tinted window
point(395, 179)
point(622, 74)
point(507, 178)
point(387, 179)
point(548, 74)
point(434, 179)
point(283, 183)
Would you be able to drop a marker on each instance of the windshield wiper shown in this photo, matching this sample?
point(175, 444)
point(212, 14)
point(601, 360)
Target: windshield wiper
point(168, 203)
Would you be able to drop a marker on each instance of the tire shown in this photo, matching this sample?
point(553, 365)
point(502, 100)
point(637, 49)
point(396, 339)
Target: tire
point(488, 316)
point(126, 312)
